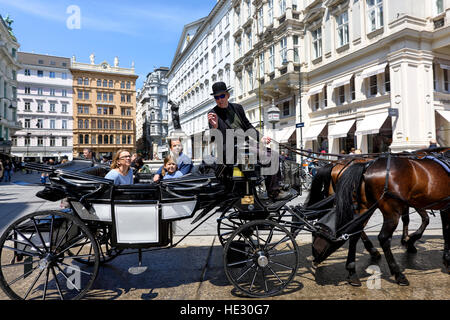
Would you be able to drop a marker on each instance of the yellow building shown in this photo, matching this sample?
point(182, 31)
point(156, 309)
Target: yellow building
point(104, 107)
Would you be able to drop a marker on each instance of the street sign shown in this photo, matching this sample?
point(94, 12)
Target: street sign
point(393, 112)
point(300, 125)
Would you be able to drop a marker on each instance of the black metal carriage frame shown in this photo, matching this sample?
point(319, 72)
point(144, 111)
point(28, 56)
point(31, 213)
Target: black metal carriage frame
point(45, 241)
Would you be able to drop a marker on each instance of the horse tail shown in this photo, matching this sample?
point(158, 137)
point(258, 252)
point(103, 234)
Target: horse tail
point(349, 182)
point(320, 185)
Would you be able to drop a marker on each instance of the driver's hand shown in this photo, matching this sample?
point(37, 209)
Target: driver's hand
point(156, 178)
point(212, 118)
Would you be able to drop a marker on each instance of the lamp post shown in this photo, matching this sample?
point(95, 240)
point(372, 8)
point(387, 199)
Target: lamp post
point(285, 62)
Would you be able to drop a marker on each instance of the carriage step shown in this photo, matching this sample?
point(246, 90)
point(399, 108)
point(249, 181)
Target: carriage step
point(139, 269)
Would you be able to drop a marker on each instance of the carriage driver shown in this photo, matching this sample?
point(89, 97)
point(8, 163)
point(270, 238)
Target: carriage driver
point(226, 115)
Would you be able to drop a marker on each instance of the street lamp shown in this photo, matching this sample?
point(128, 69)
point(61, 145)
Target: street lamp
point(285, 62)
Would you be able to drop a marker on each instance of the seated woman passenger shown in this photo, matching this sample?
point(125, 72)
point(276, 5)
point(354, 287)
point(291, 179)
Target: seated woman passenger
point(121, 172)
point(170, 169)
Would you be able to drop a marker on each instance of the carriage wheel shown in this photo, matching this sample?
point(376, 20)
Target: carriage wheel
point(106, 250)
point(35, 262)
point(261, 258)
point(227, 224)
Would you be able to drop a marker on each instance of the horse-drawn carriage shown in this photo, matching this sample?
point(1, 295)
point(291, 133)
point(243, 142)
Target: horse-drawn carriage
point(57, 254)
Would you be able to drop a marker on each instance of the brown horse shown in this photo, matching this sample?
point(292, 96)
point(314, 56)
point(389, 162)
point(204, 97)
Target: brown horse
point(324, 185)
point(392, 184)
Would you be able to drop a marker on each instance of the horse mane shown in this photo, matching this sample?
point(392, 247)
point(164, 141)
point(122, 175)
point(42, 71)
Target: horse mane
point(320, 185)
point(349, 182)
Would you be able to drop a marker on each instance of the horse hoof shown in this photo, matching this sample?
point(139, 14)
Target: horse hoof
point(354, 281)
point(401, 280)
point(375, 255)
point(411, 249)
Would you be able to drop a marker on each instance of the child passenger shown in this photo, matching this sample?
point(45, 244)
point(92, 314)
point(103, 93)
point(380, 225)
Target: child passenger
point(170, 169)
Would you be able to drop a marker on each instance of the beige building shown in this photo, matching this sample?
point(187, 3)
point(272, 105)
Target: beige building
point(104, 107)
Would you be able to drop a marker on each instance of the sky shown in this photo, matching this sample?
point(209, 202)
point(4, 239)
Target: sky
point(144, 31)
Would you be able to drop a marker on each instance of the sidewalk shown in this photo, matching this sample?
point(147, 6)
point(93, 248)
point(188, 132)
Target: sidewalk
point(21, 178)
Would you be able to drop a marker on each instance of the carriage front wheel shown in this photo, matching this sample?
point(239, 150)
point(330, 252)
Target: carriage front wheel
point(261, 258)
point(35, 262)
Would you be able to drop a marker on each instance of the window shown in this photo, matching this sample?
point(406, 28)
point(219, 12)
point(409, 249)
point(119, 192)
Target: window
point(373, 85)
point(27, 141)
point(122, 84)
point(86, 139)
point(64, 141)
point(52, 107)
point(86, 95)
point(446, 79)
point(80, 81)
point(282, 6)
point(40, 91)
point(100, 139)
point(286, 109)
point(105, 83)
point(341, 95)
point(27, 72)
point(64, 93)
point(315, 102)
point(27, 123)
point(271, 59)
point(438, 7)
point(261, 64)
point(40, 141)
point(250, 79)
point(40, 73)
point(86, 124)
point(52, 124)
point(352, 88)
point(387, 79)
point(111, 97)
point(317, 42)
point(86, 81)
point(342, 28)
point(40, 124)
point(124, 139)
point(64, 108)
point(99, 83)
point(27, 90)
point(374, 14)
point(52, 92)
point(52, 74)
point(40, 107)
point(260, 19)
point(295, 41)
point(128, 84)
point(64, 124)
point(64, 75)
point(80, 124)
point(27, 106)
point(283, 49)
point(110, 83)
point(270, 11)
point(99, 96)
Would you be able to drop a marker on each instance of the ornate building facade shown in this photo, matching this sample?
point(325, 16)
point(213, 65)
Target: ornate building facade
point(104, 107)
point(152, 114)
point(9, 67)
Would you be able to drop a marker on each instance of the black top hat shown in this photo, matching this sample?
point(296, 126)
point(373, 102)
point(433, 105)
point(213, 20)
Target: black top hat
point(218, 88)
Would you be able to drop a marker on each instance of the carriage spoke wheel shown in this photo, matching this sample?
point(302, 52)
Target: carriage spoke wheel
point(261, 258)
point(228, 223)
point(35, 262)
point(106, 250)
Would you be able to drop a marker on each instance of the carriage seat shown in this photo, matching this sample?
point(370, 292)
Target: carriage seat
point(98, 171)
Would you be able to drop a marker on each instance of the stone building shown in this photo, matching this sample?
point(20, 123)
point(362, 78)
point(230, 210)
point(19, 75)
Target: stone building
point(104, 107)
point(152, 114)
point(44, 107)
point(9, 67)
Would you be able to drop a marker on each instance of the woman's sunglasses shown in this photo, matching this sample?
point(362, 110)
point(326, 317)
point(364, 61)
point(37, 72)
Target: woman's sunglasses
point(220, 97)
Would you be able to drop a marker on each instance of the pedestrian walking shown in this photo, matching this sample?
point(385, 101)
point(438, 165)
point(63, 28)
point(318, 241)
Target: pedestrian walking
point(7, 169)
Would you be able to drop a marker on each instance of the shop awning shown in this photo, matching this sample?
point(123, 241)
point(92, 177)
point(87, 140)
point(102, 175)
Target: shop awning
point(340, 129)
point(379, 68)
point(315, 90)
point(342, 81)
point(445, 114)
point(371, 124)
point(314, 131)
point(284, 134)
